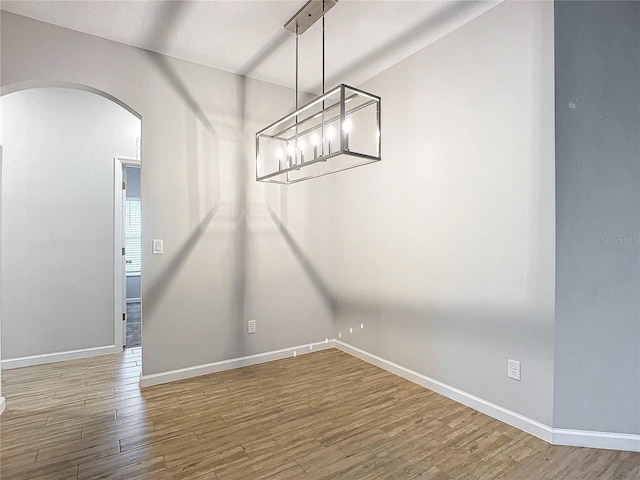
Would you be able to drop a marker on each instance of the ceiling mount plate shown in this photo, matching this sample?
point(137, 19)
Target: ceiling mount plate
point(309, 14)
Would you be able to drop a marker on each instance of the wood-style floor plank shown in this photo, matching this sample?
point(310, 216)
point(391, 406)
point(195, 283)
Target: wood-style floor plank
point(325, 415)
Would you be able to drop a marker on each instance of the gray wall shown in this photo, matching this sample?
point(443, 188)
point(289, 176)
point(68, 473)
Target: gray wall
point(133, 182)
point(226, 258)
point(597, 340)
point(134, 287)
point(57, 229)
point(445, 249)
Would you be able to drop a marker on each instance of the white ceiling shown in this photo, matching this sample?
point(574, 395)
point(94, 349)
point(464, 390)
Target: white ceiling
point(363, 37)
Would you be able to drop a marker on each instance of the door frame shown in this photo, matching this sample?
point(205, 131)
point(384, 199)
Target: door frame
point(119, 271)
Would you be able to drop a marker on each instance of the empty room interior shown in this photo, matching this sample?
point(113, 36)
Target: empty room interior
point(320, 240)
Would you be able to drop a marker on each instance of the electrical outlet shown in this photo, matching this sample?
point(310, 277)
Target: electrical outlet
point(251, 326)
point(513, 369)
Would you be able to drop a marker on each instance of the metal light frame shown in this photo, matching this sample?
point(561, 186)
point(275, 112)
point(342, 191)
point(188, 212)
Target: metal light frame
point(331, 107)
point(291, 134)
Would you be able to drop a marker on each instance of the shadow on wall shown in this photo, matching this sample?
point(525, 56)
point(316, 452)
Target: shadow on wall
point(158, 289)
point(432, 23)
point(311, 272)
point(242, 177)
point(168, 18)
point(170, 15)
point(240, 263)
point(469, 321)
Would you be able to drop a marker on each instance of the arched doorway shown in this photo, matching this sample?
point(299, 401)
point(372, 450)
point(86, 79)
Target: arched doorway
point(59, 143)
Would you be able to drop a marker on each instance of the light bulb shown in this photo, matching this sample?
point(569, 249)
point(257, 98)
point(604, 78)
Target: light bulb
point(291, 155)
point(301, 145)
point(315, 139)
point(279, 154)
point(331, 133)
point(347, 126)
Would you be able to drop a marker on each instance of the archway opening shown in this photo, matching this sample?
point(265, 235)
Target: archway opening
point(59, 259)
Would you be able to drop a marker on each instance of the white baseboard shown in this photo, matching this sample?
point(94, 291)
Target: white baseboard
point(496, 411)
point(209, 368)
point(2, 405)
point(556, 436)
point(58, 357)
point(584, 438)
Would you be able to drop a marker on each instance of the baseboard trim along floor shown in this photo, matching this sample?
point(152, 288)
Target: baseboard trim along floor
point(576, 438)
point(2, 405)
point(585, 438)
point(215, 367)
point(555, 436)
point(58, 357)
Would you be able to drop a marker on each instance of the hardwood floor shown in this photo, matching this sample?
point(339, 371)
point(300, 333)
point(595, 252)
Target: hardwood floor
point(323, 415)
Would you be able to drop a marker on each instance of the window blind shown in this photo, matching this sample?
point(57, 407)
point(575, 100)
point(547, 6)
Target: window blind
point(133, 236)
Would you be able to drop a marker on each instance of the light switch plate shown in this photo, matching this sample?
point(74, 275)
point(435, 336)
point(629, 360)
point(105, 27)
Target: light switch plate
point(158, 246)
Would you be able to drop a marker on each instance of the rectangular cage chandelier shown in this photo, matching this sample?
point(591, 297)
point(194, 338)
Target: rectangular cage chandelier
point(337, 131)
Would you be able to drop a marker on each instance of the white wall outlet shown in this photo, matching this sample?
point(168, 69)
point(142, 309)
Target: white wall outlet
point(157, 246)
point(513, 369)
point(251, 326)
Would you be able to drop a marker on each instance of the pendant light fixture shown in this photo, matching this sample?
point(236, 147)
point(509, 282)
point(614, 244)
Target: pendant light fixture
point(334, 132)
